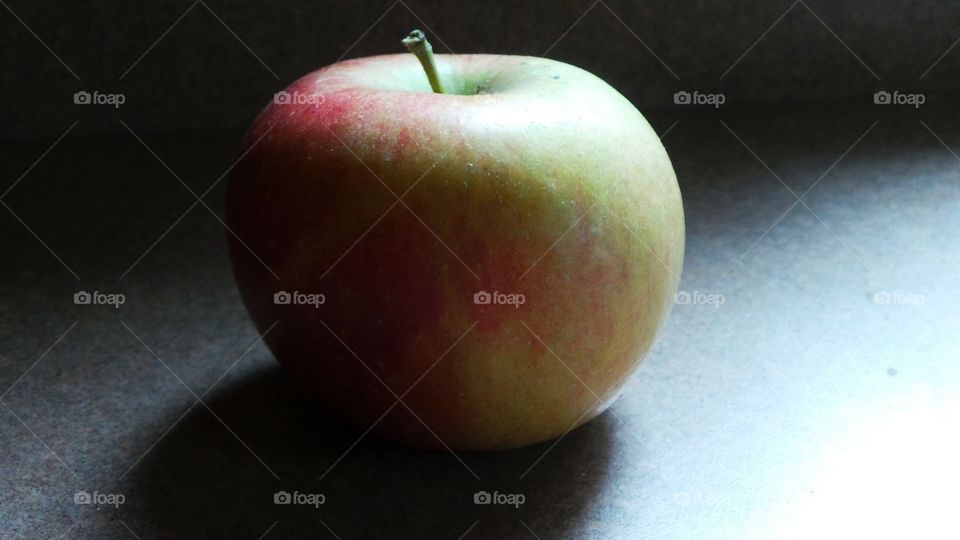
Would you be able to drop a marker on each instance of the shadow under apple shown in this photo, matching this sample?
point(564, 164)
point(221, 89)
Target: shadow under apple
point(206, 480)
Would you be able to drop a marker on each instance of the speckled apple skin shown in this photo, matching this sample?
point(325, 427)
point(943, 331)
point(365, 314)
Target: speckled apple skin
point(532, 177)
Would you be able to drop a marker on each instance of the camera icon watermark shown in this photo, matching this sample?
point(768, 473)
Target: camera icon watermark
point(99, 499)
point(484, 298)
point(296, 98)
point(84, 298)
point(283, 298)
point(887, 298)
point(698, 298)
point(307, 499)
point(699, 98)
point(508, 499)
point(899, 98)
point(96, 97)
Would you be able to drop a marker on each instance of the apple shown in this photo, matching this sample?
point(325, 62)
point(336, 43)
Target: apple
point(473, 252)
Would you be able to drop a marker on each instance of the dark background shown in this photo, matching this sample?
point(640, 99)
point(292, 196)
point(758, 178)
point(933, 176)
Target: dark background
point(221, 61)
point(819, 400)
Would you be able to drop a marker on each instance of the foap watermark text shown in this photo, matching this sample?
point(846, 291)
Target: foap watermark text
point(699, 298)
point(507, 499)
point(699, 98)
point(886, 298)
point(299, 299)
point(306, 499)
point(899, 98)
point(484, 298)
point(99, 499)
point(296, 98)
point(99, 98)
point(84, 298)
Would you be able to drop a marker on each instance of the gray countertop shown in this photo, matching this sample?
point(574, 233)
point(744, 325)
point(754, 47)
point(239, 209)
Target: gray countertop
point(818, 395)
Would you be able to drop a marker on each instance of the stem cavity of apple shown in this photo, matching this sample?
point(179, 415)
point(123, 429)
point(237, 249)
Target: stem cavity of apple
point(416, 42)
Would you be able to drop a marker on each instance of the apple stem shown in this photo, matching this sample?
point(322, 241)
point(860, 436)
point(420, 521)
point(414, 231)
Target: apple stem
point(416, 42)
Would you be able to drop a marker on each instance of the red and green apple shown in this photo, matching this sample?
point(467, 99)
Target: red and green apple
point(496, 240)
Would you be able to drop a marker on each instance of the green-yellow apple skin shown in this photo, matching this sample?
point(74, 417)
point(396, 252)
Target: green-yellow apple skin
point(529, 177)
